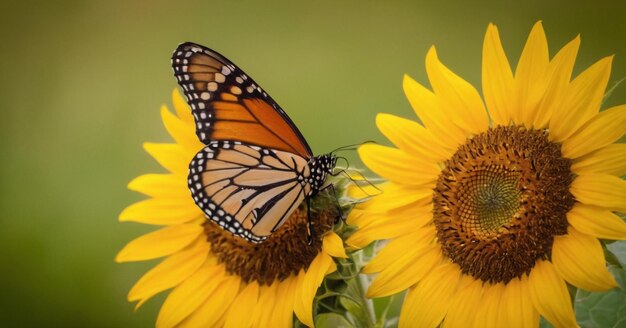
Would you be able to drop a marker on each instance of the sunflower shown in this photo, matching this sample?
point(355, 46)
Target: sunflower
point(490, 213)
point(217, 279)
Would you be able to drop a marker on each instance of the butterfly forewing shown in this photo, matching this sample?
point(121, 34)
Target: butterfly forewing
point(229, 105)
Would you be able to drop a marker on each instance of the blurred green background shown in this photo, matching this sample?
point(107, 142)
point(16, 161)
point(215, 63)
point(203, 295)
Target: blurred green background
point(81, 84)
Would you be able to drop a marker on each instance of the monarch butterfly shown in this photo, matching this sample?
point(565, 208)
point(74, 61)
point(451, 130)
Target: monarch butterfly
point(256, 168)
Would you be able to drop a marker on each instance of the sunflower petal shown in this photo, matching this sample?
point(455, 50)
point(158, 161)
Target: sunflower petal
point(182, 132)
point(299, 307)
point(159, 243)
point(395, 196)
point(412, 137)
point(497, 78)
point(405, 273)
point(182, 108)
point(267, 303)
point(606, 128)
point(158, 211)
point(582, 101)
point(403, 247)
point(550, 296)
point(609, 160)
point(517, 308)
point(213, 308)
point(531, 76)
point(397, 166)
point(601, 190)
point(283, 312)
point(160, 185)
point(309, 285)
point(169, 273)
point(436, 290)
point(247, 299)
point(426, 106)
point(189, 295)
point(457, 96)
point(365, 236)
point(597, 222)
point(462, 310)
point(579, 259)
point(489, 309)
point(173, 157)
point(559, 75)
point(333, 245)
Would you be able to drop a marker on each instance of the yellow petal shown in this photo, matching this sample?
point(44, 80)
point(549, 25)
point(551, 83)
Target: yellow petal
point(267, 302)
point(550, 296)
point(182, 108)
point(213, 308)
point(582, 100)
point(462, 310)
point(489, 308)
point(160, 243)
point(531, 76)
point(597, 221)
point(161, 211)
point(426, 106)
point(579, 259)
point(457, 97)
point(309, 285)
point(497, 78)
point(173, 157)
point(183, 133)
point(601, 190)
point(403, 247)
point(402, 275)
point(609, 160)
point(283, 312)
point(333, 245)
point(365, 236)
point(412, 137)
point(435, 290)
point(247, 299)
point(301, 309)
point(169, 273)
point(189, 295)
point(395, 196)
point(160, 185)
point(606, 128)
point(517, 310)
point(558, 78)
point(397, 166)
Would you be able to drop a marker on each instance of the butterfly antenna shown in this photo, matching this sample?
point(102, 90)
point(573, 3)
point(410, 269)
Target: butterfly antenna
point(352, 147)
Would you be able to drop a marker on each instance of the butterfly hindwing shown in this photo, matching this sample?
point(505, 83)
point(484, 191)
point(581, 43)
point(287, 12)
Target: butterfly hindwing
point(228, 105)
point(246, 189)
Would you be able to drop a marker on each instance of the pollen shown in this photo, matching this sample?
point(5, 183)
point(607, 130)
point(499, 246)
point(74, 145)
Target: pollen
point(500, 201)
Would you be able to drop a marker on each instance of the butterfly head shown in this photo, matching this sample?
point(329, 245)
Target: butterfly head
point(321, 166)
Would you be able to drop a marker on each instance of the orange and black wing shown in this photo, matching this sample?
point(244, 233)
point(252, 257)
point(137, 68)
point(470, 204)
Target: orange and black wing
point(228, 105)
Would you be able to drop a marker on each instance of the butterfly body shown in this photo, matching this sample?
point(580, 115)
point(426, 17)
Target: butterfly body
point(256, 168)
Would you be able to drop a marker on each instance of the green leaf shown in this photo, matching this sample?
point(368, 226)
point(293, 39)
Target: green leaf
point(332, 320)
point(618, 248)
point(604, 309)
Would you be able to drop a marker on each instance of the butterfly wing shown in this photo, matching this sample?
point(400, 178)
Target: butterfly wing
point(229, 105)
point(246, 189)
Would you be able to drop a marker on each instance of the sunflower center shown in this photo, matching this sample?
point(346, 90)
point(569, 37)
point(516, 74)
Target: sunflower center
point(283, 253)
point(500, 200)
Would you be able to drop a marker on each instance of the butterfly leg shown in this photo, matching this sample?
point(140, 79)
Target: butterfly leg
point(309, 229)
